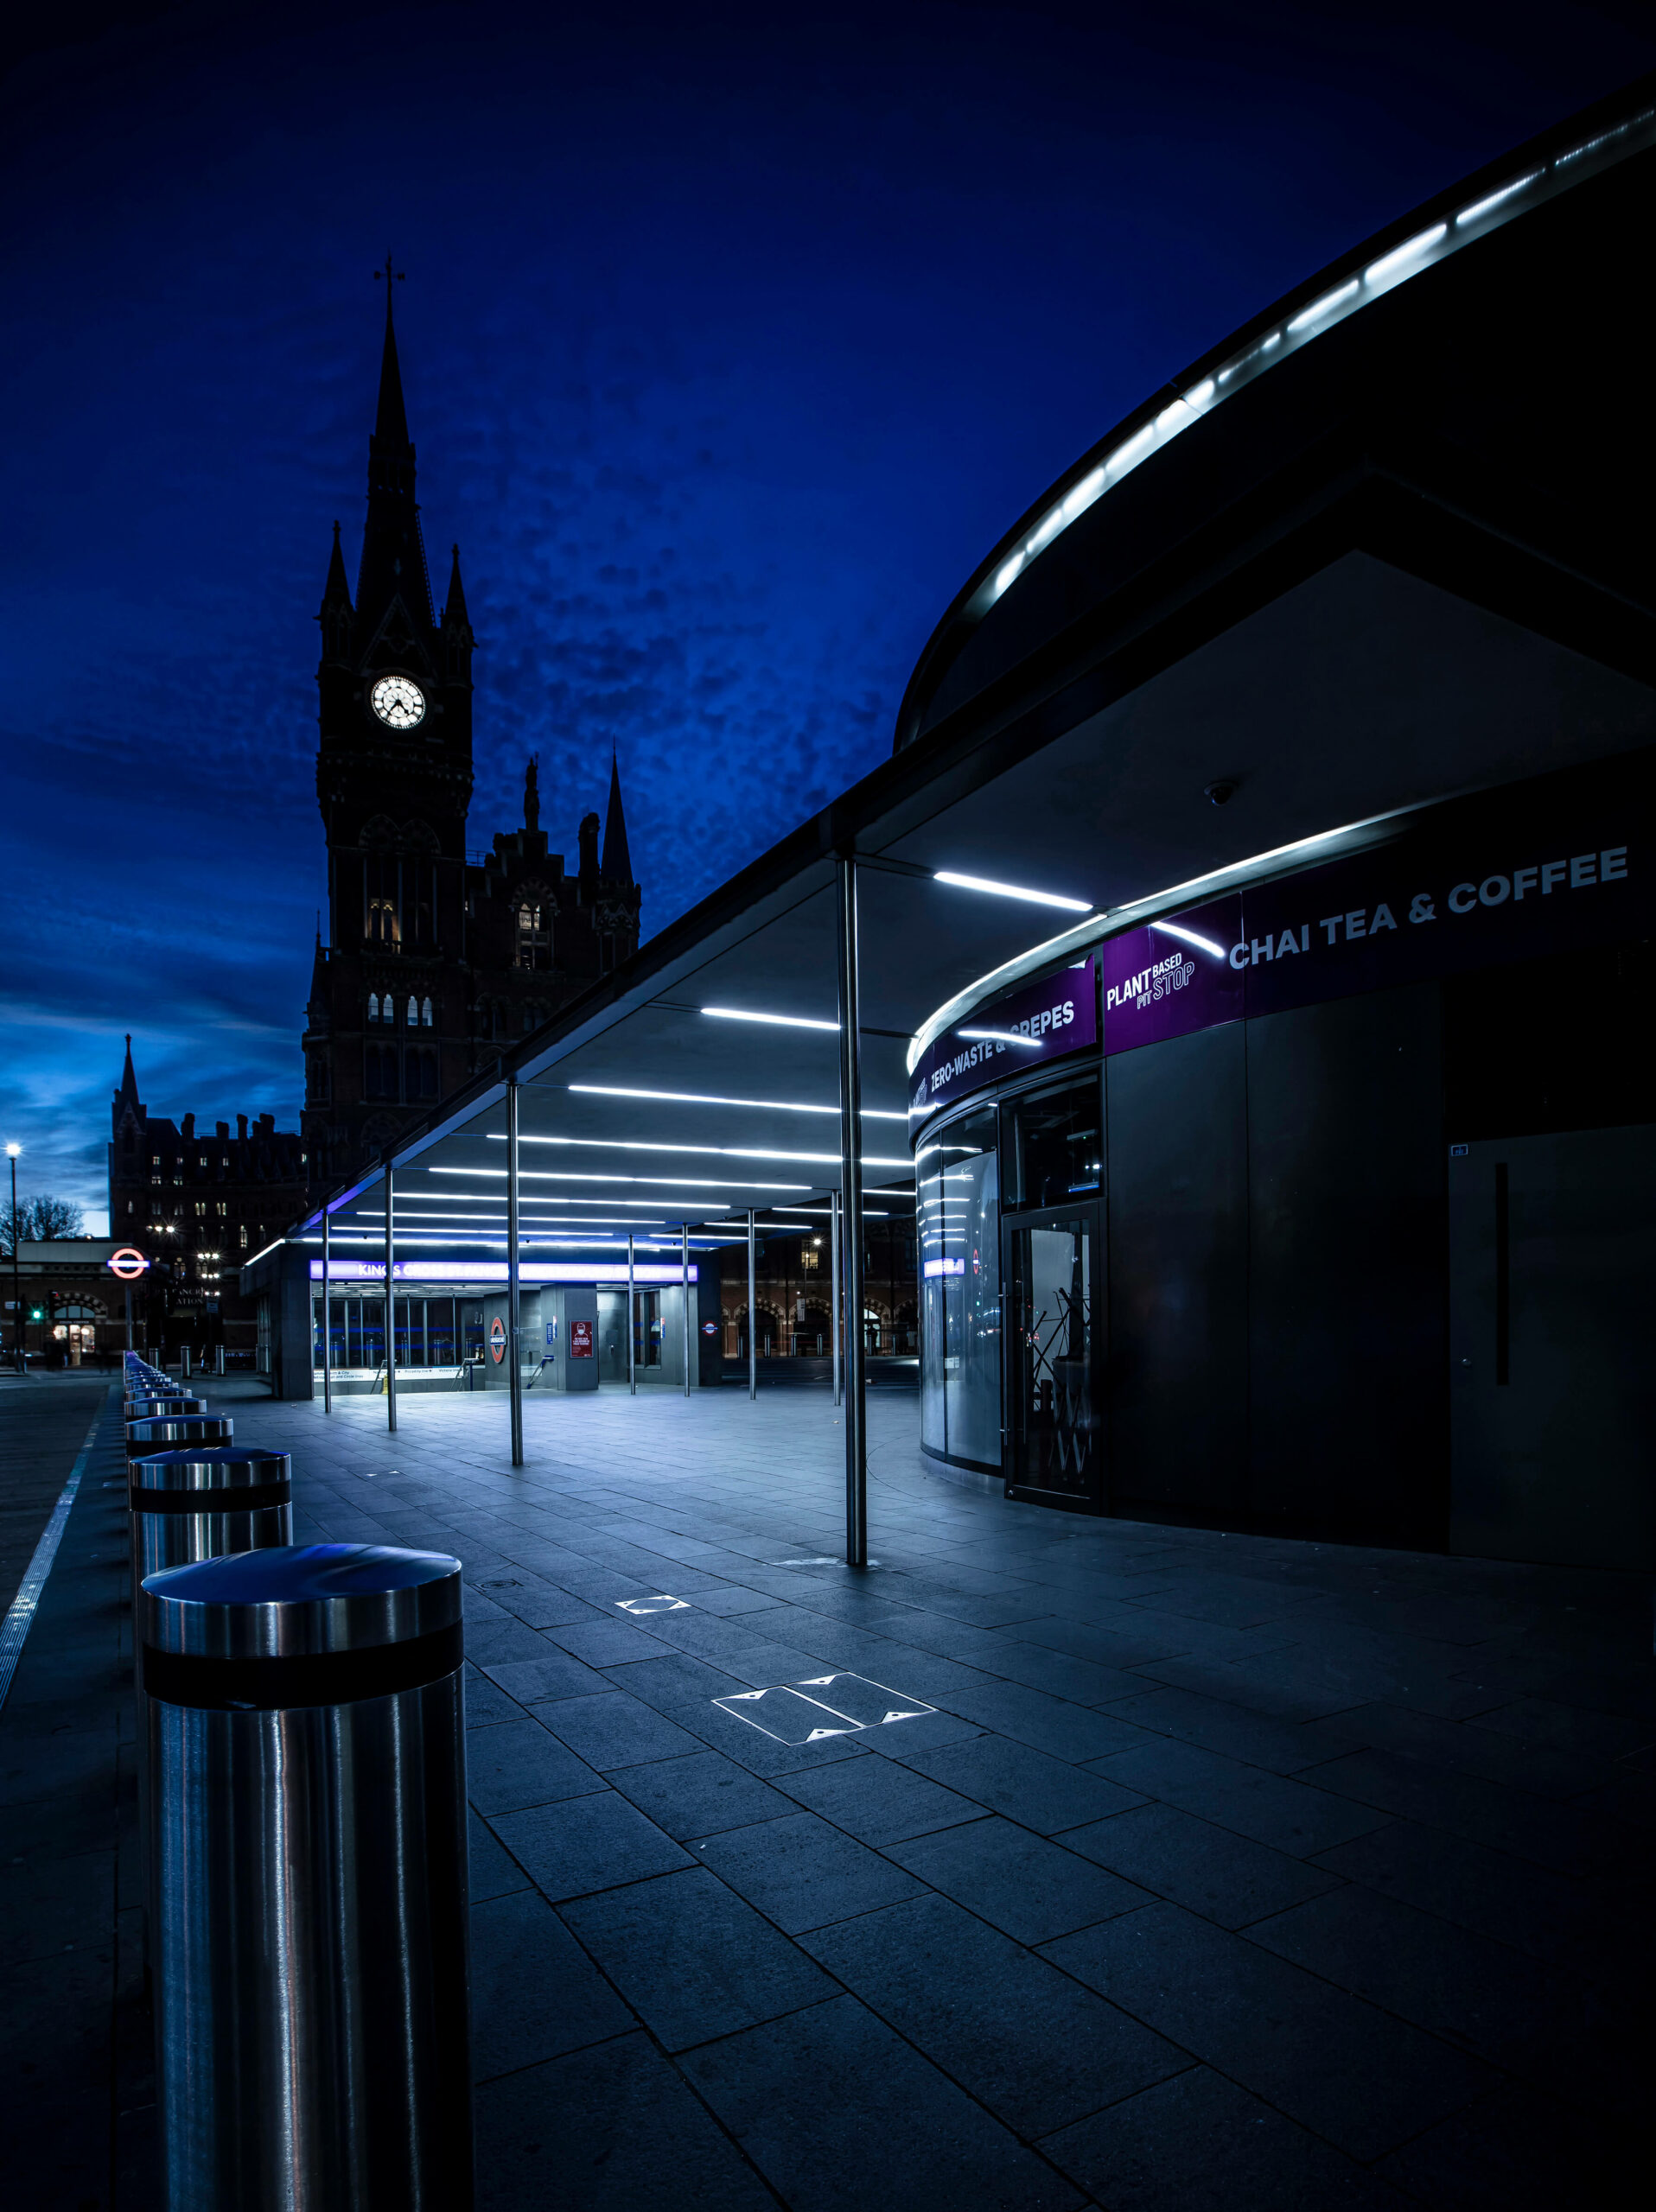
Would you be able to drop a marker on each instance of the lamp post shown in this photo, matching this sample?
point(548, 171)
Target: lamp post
point(12, 1151)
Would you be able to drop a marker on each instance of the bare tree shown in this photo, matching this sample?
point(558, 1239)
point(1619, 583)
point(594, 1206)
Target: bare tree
point(39, 1220)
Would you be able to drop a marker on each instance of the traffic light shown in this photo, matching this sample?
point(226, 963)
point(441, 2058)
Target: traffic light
point(37, 1312)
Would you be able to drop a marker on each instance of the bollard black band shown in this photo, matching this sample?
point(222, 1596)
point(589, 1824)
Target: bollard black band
point(314, 1678)
point(253, 1498)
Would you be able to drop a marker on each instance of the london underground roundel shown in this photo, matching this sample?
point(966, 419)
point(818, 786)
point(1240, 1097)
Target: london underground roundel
point(128, 1263)
point(497, 1340)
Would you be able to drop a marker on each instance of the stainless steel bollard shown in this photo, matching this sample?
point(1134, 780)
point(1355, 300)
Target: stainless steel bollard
point(308, 1896)
point(163, 1431)
point(156, 1405)
point(205, 1504)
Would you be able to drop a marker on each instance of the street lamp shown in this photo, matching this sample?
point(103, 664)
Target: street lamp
point(12, 1151)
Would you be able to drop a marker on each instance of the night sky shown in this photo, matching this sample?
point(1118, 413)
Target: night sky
point(732, 340)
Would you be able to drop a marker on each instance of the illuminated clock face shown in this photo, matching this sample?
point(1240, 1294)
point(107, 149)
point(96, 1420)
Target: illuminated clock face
point(398, 702)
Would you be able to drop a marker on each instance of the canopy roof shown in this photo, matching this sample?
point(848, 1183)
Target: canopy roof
point(1312, 598)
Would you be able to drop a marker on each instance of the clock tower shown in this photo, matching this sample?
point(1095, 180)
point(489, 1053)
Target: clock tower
point(394, 782)
point(430, 963)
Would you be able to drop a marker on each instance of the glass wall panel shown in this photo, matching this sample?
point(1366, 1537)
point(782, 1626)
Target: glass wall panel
point(372, 1314)
point(471, 1327)
point(960, 1290)
point(1056, 1145)
point(439, 1332)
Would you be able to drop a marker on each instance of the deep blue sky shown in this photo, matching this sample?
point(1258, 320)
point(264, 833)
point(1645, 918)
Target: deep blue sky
point(731, 339)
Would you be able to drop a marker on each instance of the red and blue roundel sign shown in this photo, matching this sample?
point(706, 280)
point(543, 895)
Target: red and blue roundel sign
point(497, 1340)
point(128, 1263)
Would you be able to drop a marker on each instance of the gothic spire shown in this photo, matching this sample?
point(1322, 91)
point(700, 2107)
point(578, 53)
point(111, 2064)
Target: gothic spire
point(454, 612)
point(390, 424)
point(127, 1096)
point(617, 866)
point(336, 592)
point(394, 556)
point(531, 793)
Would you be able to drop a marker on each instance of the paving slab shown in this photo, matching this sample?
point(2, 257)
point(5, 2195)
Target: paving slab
point(1227, 1870)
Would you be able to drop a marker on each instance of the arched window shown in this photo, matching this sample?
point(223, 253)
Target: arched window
point(425, 1013)
point(373, 1006)
point(534, 935)
point(382, 921)
point(413, 1013)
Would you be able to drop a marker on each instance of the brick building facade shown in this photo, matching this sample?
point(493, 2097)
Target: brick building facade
point(197, 1204)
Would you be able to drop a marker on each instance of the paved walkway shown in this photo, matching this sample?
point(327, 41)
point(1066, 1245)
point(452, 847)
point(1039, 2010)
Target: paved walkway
point(1221, 1870)
point(1205, 1870)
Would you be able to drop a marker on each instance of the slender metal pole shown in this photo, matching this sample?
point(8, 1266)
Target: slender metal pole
point(16, 1268)
point(684, 1234)
point(514, 1368)
point(850, 1199)
point(391, 1307)
point(632, 1321)
point(129, 1316)
point(328, 1339)
point(833, 1281)
point(753, 1314)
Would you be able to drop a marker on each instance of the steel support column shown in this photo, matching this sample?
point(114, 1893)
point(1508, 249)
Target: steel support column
point(514, 1365)
point(328, 1355)
point(390, 1306)
point(833, 1281)
point(690, 1335)
point(631, 1322)
point(850, 1199)
point(753, 1314)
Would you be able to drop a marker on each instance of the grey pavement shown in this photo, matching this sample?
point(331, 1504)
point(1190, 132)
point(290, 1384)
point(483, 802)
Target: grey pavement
point(1200, 1869)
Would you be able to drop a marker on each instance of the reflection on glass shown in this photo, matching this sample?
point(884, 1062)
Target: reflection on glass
point(960, 1290)
point(1056, 1145)
point(1050, 1316)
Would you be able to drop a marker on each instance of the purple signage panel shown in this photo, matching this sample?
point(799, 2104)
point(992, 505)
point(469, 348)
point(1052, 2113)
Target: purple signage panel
point(1038, 1021)
point(1439, 905)
point(1172, 976)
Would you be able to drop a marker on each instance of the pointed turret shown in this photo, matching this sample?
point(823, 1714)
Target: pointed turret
point(335, 616)
point(531, 793)
point(126, 1108)
point(457, 638)
point(454, 612)
point(617, 866)
point(128, 1094)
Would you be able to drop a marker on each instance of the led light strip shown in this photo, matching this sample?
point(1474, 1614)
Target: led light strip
point(1330, 308)
point(701, 1098)
point(721, 1151)
point(574, 1175)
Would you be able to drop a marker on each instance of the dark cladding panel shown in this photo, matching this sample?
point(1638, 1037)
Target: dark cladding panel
point(1346, 1234)
point(1176, 1116)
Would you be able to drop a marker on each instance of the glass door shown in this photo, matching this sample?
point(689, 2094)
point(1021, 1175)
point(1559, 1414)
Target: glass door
point(1054, 1434)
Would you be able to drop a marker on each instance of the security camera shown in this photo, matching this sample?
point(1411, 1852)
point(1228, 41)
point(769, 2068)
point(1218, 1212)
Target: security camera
point(1220, 793)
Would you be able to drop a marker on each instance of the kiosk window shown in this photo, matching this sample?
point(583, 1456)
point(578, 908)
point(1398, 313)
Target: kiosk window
point(1054, 1148)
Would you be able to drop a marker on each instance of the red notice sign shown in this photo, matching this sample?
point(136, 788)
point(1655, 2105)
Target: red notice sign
point(580, 1340)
